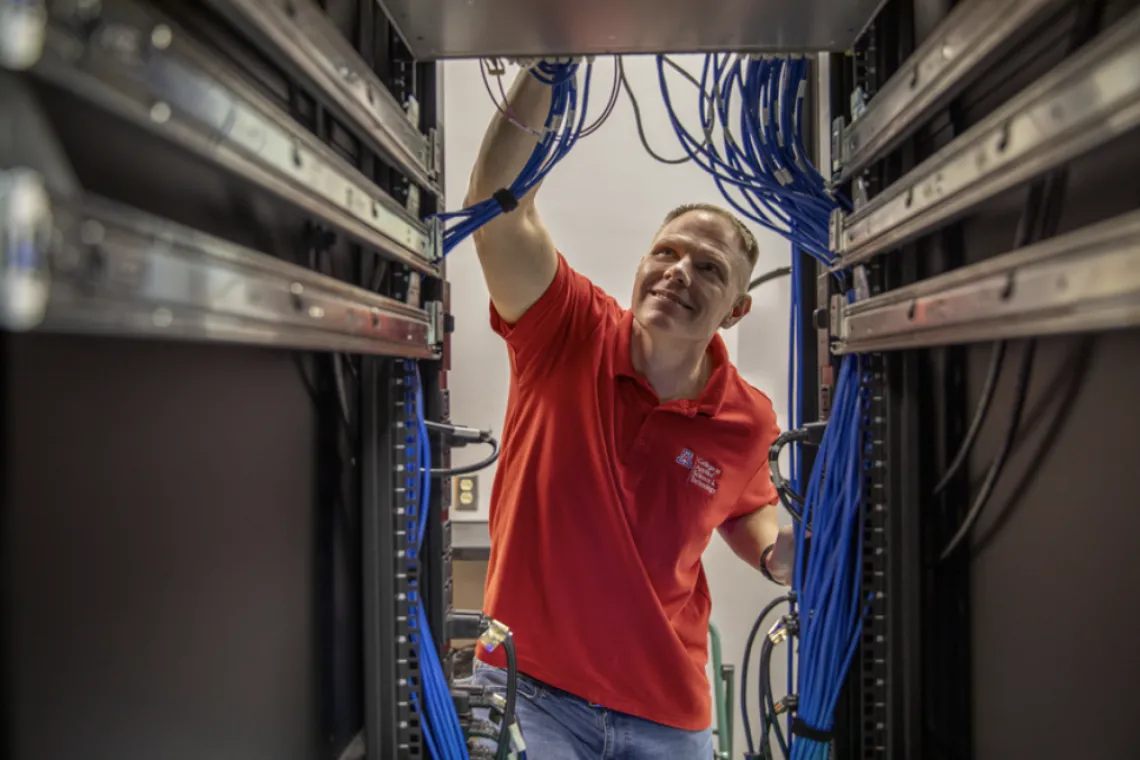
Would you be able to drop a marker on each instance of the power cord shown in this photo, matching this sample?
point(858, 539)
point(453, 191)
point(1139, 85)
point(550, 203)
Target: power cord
point(637, 117)
point(1040, 220)
point(999, 460)
point(811, 434)
point(769, 276)
point(458, 437)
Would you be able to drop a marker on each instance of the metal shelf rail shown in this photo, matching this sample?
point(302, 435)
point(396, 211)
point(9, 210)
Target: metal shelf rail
point(99, 267)
point(298, 34)
point(1086, 280)
point(967, 40)
point(135, 62)
point(1083, 103)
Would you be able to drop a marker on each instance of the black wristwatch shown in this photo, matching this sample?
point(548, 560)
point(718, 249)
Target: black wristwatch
point(764, 562)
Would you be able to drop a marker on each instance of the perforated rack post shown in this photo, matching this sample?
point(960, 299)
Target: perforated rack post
point(391, 663)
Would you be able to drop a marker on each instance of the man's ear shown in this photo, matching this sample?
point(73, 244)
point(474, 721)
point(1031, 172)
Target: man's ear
point(742, 306)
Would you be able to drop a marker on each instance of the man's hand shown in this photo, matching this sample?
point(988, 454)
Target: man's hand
point(782, 559)
point(750, 535)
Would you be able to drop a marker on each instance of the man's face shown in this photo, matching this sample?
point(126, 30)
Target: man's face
point(693, 280)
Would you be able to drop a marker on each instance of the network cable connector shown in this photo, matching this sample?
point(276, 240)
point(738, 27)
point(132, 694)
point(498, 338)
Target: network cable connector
point(778, 633)
point(495, 635)
point(23, 29)
point(26, 232)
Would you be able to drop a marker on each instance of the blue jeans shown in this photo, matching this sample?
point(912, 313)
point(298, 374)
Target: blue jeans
point(557, 725)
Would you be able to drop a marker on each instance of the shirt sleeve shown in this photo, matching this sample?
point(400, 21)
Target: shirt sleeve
point(565, 317)
point(760, 492)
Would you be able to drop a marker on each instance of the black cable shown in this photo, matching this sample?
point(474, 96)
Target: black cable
point(641, 127)
point(783, 487)
point(470, 468)
point(1078, 365)
point(769, 276)
point(980, 412)
point(769, 721)
point(1040, 220)
point(786, 598)
point(512, 696)
point(615, 92)
point(999, 460)
point(637, 112)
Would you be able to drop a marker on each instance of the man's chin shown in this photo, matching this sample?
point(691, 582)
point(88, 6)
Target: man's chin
point(658, 320)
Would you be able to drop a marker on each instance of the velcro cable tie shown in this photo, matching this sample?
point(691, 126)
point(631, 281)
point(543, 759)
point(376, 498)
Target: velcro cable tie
point(506, 200)
point(801, 728)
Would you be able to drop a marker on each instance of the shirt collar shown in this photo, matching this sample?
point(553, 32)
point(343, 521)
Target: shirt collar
point(710, 400)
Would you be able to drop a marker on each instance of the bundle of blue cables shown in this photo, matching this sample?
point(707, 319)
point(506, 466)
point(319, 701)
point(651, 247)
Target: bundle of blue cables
point(563, 127)
point(828, 583)
point(431, 698)
point(763, 161)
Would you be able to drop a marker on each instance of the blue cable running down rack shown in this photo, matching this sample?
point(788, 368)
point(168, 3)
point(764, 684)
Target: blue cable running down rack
point(431, 698)
point(828, 582)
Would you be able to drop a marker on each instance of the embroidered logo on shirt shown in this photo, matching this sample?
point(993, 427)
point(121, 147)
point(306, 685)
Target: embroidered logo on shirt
point(704, 474)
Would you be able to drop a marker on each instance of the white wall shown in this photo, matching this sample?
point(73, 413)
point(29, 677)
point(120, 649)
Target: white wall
point(603, 204)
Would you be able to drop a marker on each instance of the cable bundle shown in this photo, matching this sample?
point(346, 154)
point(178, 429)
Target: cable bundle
point(439, 721)
point(827, 584)
point(564, 125)
point(763, 160)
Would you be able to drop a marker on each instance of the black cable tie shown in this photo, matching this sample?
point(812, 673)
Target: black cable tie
point(811, 733)
point(506, 200)
point(792, 624)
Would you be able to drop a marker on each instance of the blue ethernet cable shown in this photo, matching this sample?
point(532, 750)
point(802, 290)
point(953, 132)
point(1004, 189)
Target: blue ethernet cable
point(762, 164)
point(828, 586)
point(563, 127)
point(439, 721)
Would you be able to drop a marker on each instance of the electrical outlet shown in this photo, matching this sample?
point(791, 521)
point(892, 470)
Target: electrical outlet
point(466, 493)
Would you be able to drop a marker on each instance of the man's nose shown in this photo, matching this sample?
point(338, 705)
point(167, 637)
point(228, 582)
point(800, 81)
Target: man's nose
point(679, 271)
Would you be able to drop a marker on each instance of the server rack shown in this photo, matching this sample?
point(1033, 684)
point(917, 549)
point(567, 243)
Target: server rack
point(220, 285)
point(947, 113)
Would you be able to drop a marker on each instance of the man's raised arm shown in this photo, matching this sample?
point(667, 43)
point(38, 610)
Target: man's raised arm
point(515, 250)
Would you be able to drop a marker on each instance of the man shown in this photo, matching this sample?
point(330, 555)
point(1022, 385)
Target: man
point(629, 437)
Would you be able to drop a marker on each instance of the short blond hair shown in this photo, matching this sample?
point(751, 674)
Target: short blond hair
point(747, 239)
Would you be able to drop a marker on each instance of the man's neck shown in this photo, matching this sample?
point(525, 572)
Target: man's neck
point(674, 369)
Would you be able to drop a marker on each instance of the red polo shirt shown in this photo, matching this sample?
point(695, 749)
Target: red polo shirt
point(605, 500)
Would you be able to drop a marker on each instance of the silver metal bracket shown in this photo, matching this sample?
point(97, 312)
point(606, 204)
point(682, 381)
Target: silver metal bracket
point(412, 111)
point(435, 322)
point(858, 103)
point(435, 245)
point(859, 190)
point(835, 228)
point(434, 158)
point(23, 28)
point(413, 202)
point(838, 124)
point(26, 235)
point(836, 316)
